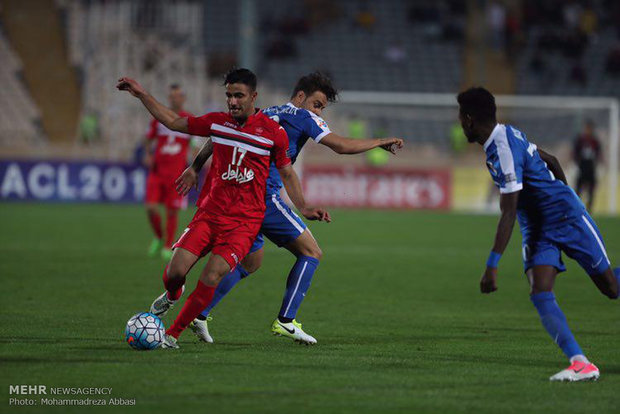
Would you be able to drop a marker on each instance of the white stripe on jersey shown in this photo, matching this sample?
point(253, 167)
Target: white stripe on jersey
point(216, 127)
point(231, 143)
point(285, 213)
point(598, 239)
point(506, 161)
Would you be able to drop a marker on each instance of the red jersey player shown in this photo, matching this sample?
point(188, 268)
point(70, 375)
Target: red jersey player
point(164, 163)
point(245, 142)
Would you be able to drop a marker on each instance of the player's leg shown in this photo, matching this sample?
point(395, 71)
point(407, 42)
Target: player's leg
point(250, 264)
point(308, 254)
point(193, 244)
point(591, 190)
point(542, 279)
point(580, 182)
point(231, 243)
point(174, 280)
point(283, 227)
point(216, 269)
point(172, 219)
point(152, 197)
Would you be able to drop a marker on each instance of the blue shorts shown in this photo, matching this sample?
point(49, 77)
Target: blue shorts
point(281, 225)
point(579, 239)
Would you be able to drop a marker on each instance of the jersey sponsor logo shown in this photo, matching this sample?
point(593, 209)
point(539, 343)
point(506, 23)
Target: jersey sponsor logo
point(320, 122)
point(491, 167)
point(172, 147)
point(517, 134)
point(230, 124)
point(234, 172)
point(237, 175)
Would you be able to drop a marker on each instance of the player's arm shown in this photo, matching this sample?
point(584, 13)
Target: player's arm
point(554, 165)
point(160, 112)
point(189, 178)
point(293, 189)
point(508, 206)
point(343, 145)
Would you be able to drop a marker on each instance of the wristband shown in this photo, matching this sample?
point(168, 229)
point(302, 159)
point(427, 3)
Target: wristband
point(493, 259)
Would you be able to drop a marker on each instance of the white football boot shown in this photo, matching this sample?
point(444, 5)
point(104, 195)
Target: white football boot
point(578, 371)
point(201, 329)
point(292, 330)
point(162, 304)
point(170, 342)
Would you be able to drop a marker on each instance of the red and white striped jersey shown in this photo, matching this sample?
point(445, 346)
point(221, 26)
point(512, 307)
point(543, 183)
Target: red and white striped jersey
point(236, 183)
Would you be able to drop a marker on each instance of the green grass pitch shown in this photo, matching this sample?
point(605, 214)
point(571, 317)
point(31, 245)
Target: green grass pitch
point(394, 305)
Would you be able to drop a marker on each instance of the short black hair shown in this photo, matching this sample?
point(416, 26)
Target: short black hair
point(316, 81)
point(175, 86)
point(241, 75)
point(478, 103)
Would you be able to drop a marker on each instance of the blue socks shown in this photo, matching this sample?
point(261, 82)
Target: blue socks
point(617, 273)
point(555, 323)
point(226, 284)
point(297, 285)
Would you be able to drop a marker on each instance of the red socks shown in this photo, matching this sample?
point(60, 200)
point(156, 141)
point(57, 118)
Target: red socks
point(155, 221)
point(174, 288)
point(195, 303)
point(171, 226)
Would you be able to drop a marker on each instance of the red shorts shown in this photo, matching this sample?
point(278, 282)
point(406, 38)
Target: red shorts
point(161, 190)
point(230, 240)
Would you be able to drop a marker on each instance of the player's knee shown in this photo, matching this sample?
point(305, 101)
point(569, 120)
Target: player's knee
point(213, 278)
point(151, 209)
point(313, 251)
point(252, 266)
point(176, 271)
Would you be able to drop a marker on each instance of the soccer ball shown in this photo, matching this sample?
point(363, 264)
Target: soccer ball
point(144, 331)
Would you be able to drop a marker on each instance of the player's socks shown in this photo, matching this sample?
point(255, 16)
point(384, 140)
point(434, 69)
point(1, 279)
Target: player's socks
point(297, 285)
point(226, 284)
point(172, 219)
point(197, 301)
point(555, 323)
point(617, 273)
point(155, 247)
point(174, 289)
point(155, 220)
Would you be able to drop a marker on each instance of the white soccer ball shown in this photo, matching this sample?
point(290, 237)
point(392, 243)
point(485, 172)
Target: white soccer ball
point(144, 331)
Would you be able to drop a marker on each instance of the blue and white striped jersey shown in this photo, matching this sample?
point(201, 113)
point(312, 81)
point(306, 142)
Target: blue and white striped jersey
point(299, 124)
point(515, 165)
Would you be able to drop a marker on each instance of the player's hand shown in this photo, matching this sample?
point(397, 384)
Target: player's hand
point(488, 283)
point(320, 214)
point(131, 86)
point(392, 144)
point(147, 161)
point(186, 181)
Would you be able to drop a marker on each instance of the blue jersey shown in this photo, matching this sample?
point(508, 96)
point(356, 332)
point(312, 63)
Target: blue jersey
point(515, 165)
point(299, 124)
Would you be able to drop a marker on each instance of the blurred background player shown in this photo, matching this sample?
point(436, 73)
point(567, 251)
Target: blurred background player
point(587, 154)
point(165, 155)
point(301, 119)
point(552, 219)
